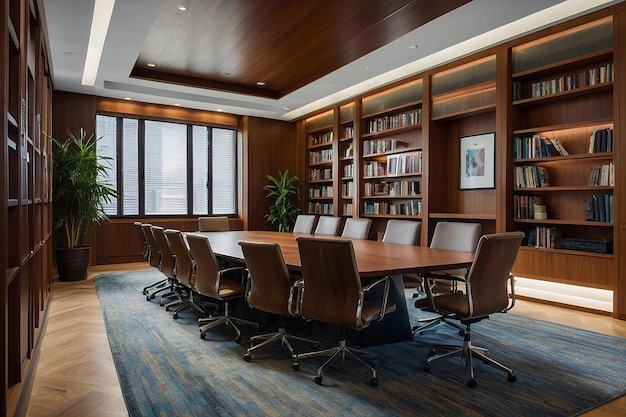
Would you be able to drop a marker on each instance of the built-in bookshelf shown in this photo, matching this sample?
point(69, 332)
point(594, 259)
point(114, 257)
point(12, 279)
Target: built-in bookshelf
point(27, 225)
point(347, 157)
point(463, 107)
point(320, 149)
point(391, 152)
point(563, 161)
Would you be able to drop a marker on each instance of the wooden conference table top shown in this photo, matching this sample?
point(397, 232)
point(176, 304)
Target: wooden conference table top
point(373, 258)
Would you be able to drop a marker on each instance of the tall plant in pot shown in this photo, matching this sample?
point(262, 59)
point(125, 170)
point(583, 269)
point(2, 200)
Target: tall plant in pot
point(285, 192)
point(78, 199)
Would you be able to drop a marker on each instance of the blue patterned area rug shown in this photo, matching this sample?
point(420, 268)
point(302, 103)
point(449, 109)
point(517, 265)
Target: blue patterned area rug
point(165, 369)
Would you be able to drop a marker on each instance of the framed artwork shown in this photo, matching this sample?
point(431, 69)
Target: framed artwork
point(392, 165)
point(477, 161)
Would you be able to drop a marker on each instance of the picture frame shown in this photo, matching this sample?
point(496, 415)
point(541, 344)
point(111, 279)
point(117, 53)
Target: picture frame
point(392, 165)
point(477, 161)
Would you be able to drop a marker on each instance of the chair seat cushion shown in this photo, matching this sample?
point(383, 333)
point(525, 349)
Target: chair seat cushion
point(230, 288)
point(455, 303)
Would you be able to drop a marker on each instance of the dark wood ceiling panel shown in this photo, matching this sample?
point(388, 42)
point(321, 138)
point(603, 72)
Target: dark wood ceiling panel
point(230, 45)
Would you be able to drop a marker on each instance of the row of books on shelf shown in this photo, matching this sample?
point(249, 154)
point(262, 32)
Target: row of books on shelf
point(375, 169)
point(391, 188)
point(320, 208)
point(321, 174)
point(590, 77)
point(603, 176)
point(544, 237)
point(529, 207)
point(324, 155)
point(536, 146)
point(347, 209)
point(600, 208)
point(400, 208)
point(348, 132)
point(382, 123)
point(347, 189)
point(407, 163)
point(348, 170)
point(326, 137)
point(321, 191)
point(531, 176)
point(374, 146)
point(601, 141)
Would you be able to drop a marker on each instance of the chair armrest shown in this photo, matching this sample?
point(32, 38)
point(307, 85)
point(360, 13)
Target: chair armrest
point(512, 294)
point(230, 273)
point(295, 297)
point(383, 304)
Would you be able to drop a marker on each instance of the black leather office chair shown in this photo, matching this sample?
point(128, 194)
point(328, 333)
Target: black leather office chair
point(333, 294)
point(271, 289)
point(486, 292)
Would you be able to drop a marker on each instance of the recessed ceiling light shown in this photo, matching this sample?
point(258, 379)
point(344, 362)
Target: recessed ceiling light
point(127, 98)
point(151, 65)
point(261, 83)
point(177, 104)
point(413, 46)
point(181, 7)
point(69, 53)
point(286, 108)
point(219, 110)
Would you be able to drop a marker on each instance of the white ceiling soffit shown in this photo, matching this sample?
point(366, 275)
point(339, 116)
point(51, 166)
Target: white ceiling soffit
point(473, 27)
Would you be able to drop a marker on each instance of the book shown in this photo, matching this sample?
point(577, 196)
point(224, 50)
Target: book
point(594, 176)
point(559, 147)
point(543, 177)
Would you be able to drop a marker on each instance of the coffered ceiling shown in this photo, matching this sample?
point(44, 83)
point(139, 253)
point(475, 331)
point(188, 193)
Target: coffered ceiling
point(278, 58)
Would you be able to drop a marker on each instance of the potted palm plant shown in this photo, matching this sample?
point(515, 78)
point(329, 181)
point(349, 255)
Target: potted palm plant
point(78, 199)
point(285, 192)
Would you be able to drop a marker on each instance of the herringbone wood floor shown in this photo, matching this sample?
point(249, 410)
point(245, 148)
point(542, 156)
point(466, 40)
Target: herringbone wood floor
point(76, 376)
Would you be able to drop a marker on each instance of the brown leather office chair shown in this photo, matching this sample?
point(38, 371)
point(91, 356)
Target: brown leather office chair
point(459, 236)
point(333, 293)
point(187, 294)
point(168, 261)
point(225, 285)
point(327, 225)
point(486, 292)
point(356, 228)
point(142, 239)
point(271, 289)
point(213, 224)
point(154, 260)
point(304, 223)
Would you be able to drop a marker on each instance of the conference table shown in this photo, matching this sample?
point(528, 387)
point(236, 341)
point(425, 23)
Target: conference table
point(373, 259)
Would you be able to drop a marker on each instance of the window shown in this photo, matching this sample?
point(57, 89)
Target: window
point(166, 168)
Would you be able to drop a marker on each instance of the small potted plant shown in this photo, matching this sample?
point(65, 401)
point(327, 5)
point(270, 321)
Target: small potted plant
point(78, 198)
point(284, 190)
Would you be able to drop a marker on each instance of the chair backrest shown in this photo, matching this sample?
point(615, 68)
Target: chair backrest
point(304, 223)
point(213, 224)
point(142, 239)
point(154, 255)
point(332, 285)
point(356, 228)
point(184, 263)
point(167, 256)
point(207, 267)
point(456, 236)
point(403, 232)
point(270, 287)
point(487, 280)
point(327, 225)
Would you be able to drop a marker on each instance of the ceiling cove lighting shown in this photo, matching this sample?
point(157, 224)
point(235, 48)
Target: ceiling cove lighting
point(102, 11)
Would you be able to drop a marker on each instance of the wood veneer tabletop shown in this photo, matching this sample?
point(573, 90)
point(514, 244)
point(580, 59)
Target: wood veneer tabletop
point(373, 258)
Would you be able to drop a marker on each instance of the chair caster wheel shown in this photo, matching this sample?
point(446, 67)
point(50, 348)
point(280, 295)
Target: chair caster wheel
point(472, 383)
point(147, 297)
point(238, 339)
point(202, 335)
point(175, 316)
point(318, 380)
point(152, 296)
point(374, 382)
point(247, 357)
point(511, 378)
point(296, 366)
point(461, 333)
point(426, 367)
